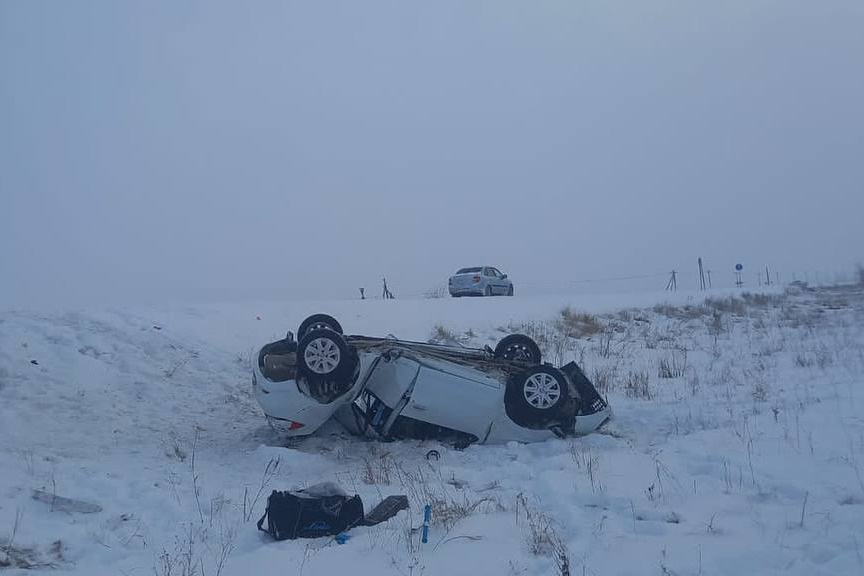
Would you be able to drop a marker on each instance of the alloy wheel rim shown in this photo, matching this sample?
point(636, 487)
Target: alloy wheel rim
point(322, 356)
point(542, 390)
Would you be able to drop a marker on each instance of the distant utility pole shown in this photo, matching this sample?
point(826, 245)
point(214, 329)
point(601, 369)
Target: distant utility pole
point(710, 286)
point(701, 276)
point(767, 276)
point(672, 285)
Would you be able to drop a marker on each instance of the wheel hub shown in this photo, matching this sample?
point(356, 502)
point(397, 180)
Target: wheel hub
point(518, 353)
point(542, 390)
point(322, 356)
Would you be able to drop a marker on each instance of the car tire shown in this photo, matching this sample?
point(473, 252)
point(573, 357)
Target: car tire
point(318, 321)
point(510, 290)
point(518, 348)
point(487, 291)
point(535, 397)
point(323, 356)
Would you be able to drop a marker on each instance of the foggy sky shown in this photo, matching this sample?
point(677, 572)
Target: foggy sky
point(154, 151)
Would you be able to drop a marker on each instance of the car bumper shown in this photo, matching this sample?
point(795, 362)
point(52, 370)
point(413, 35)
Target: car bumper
point(289, 409)
point(478, 291)
point(286, 408)
point(588, 423)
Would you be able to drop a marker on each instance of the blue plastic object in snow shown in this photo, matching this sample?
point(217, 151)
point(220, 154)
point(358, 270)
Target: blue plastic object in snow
point(427, 511)
point(342, 537)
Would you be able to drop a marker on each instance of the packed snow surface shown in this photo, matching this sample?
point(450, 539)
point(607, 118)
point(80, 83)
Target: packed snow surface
point(130, 444)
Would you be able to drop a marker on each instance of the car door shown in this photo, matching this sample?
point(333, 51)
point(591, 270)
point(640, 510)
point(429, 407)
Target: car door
point(391, 377)
point(491, 280)
point(497, 281)
point(500, 281)
point(454, 396)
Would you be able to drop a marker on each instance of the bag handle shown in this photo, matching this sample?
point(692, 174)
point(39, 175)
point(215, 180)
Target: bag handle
point(261, 521)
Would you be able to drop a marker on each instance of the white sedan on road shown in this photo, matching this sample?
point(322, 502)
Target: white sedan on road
point(480, 281)
point(392, 388)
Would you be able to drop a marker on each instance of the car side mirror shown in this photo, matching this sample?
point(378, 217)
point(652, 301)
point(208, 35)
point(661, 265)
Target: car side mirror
point(504, 276)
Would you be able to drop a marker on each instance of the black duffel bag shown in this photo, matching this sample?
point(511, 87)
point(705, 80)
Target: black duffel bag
point(311, 513)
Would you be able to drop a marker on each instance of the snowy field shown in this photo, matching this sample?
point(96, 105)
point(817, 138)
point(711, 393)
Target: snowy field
point(737, 445)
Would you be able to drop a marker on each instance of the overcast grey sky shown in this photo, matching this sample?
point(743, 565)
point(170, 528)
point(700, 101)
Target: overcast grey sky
point(206, 150)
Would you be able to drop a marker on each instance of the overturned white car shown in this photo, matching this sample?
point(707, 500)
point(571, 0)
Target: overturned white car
point(393, 388)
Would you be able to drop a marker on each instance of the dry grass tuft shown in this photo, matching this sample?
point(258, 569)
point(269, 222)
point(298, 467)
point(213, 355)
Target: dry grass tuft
point(673, 366)
point(686, 312)
point(449, 504)
point(603, 379)
point(763, 300)
point(729, 305)
point(636, 385)
point(377, 468)
point(556, 346)
point(541, 536)
point(443, 335)
point(579, 324)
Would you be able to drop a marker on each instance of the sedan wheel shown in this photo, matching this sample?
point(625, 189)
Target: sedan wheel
point(518, 348)
point(317, 322)
point(541, 390)
point(326, 362)
point(536, 398)
point(322, 356)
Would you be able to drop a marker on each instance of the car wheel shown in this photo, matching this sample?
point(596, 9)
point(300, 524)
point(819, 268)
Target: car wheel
point(536, 396)
point(518, 348)
point(510, 290)
point(316, 322)
point(323, 356)
point(488, 291)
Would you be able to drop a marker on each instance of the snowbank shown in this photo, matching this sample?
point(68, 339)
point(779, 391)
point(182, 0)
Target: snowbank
point(738, 444)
